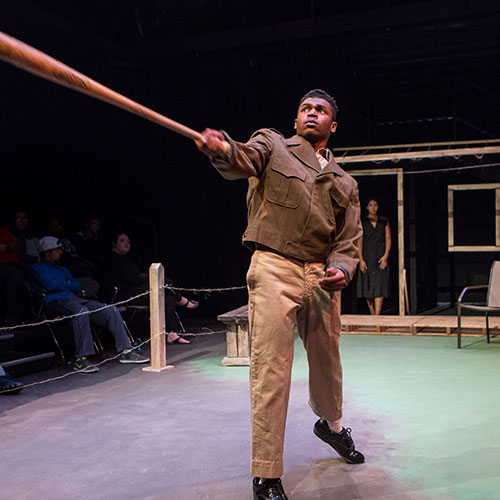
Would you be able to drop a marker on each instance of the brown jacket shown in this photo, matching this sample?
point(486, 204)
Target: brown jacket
point(294, 207)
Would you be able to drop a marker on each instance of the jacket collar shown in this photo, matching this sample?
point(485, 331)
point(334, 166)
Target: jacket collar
point(302, 149)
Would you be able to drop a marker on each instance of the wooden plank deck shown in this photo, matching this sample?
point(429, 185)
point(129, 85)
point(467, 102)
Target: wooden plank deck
point(237, 340)
point(418, 325)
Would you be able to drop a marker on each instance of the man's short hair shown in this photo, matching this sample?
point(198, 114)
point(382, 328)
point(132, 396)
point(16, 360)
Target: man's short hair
point(321, 94)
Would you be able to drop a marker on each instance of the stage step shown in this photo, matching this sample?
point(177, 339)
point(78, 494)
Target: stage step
point(418, 325)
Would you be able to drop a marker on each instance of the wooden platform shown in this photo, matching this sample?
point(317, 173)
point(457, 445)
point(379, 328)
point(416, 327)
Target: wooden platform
point(418, 325)
point(237, 340)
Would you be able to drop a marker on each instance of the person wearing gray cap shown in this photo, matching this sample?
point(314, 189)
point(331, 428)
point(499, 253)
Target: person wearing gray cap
point(60, 288)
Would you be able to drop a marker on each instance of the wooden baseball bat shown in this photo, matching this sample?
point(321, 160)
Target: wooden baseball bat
point(34, 61)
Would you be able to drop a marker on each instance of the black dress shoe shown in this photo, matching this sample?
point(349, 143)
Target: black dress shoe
point(341, 442)
point(268, 489)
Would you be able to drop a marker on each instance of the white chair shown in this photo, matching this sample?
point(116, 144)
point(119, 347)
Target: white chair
point(492, 301)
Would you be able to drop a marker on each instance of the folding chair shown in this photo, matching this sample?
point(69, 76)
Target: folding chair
point(492, 301)
point(38, 302)
point(38, 306)
point(108, 296)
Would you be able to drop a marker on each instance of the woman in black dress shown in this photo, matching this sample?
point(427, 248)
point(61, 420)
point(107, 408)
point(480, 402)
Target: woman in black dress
point(374, 248)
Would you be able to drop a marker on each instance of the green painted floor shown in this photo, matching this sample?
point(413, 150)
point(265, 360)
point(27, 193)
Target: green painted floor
point(442, 408)
point(425, 414)
point(435, 409)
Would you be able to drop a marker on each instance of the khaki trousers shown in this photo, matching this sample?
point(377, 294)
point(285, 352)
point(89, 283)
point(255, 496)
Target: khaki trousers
point(284, 293)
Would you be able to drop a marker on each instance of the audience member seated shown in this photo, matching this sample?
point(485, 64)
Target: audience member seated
point(89, 246)
point(70, 258)
point(7, 384)
point(13, 293)
point(60, 288)
point(119, 270)
point(29, 250)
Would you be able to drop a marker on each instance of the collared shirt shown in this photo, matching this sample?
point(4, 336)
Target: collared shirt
point(323, 156)
point(295, 217)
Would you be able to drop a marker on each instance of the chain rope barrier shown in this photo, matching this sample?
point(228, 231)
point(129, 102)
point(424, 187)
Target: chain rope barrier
point(117, 304)
point(205, 330)
point(71, 316)
point(204, 290)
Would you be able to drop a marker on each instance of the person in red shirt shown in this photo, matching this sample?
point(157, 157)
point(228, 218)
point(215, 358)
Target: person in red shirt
point(9, 246)
point(12, 278)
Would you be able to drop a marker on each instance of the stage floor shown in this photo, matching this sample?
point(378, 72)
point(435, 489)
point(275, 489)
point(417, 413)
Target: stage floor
point(424, 413)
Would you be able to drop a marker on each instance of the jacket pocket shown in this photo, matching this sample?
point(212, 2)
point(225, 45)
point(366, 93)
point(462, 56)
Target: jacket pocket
point(339, 198)
point(285, 186)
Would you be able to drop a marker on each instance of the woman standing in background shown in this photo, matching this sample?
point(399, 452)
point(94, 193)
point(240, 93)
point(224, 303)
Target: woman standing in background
point(374, 249)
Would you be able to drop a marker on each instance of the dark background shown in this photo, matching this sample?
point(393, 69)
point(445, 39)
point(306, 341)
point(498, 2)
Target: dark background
point(401, 71)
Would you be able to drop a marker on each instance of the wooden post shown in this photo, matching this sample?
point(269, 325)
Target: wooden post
point(407, 301)
point(157, 313)
point(451, 229)
point(401, 242)
point(497, 217)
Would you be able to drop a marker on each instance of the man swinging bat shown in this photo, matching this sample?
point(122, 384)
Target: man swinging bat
point(303, 228)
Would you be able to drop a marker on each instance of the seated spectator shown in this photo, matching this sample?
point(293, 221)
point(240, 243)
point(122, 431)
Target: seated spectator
point(70, 259)
point(29, 250)
point(60, 288)
point(89, 246)
point(7, 384)
point(119, 270)
point(12, 277)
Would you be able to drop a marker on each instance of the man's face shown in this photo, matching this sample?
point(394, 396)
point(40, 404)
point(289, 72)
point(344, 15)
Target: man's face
point(54, 227)
point(21, 221)
point(53, 255)
point(315, 120)
point(93, 225)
